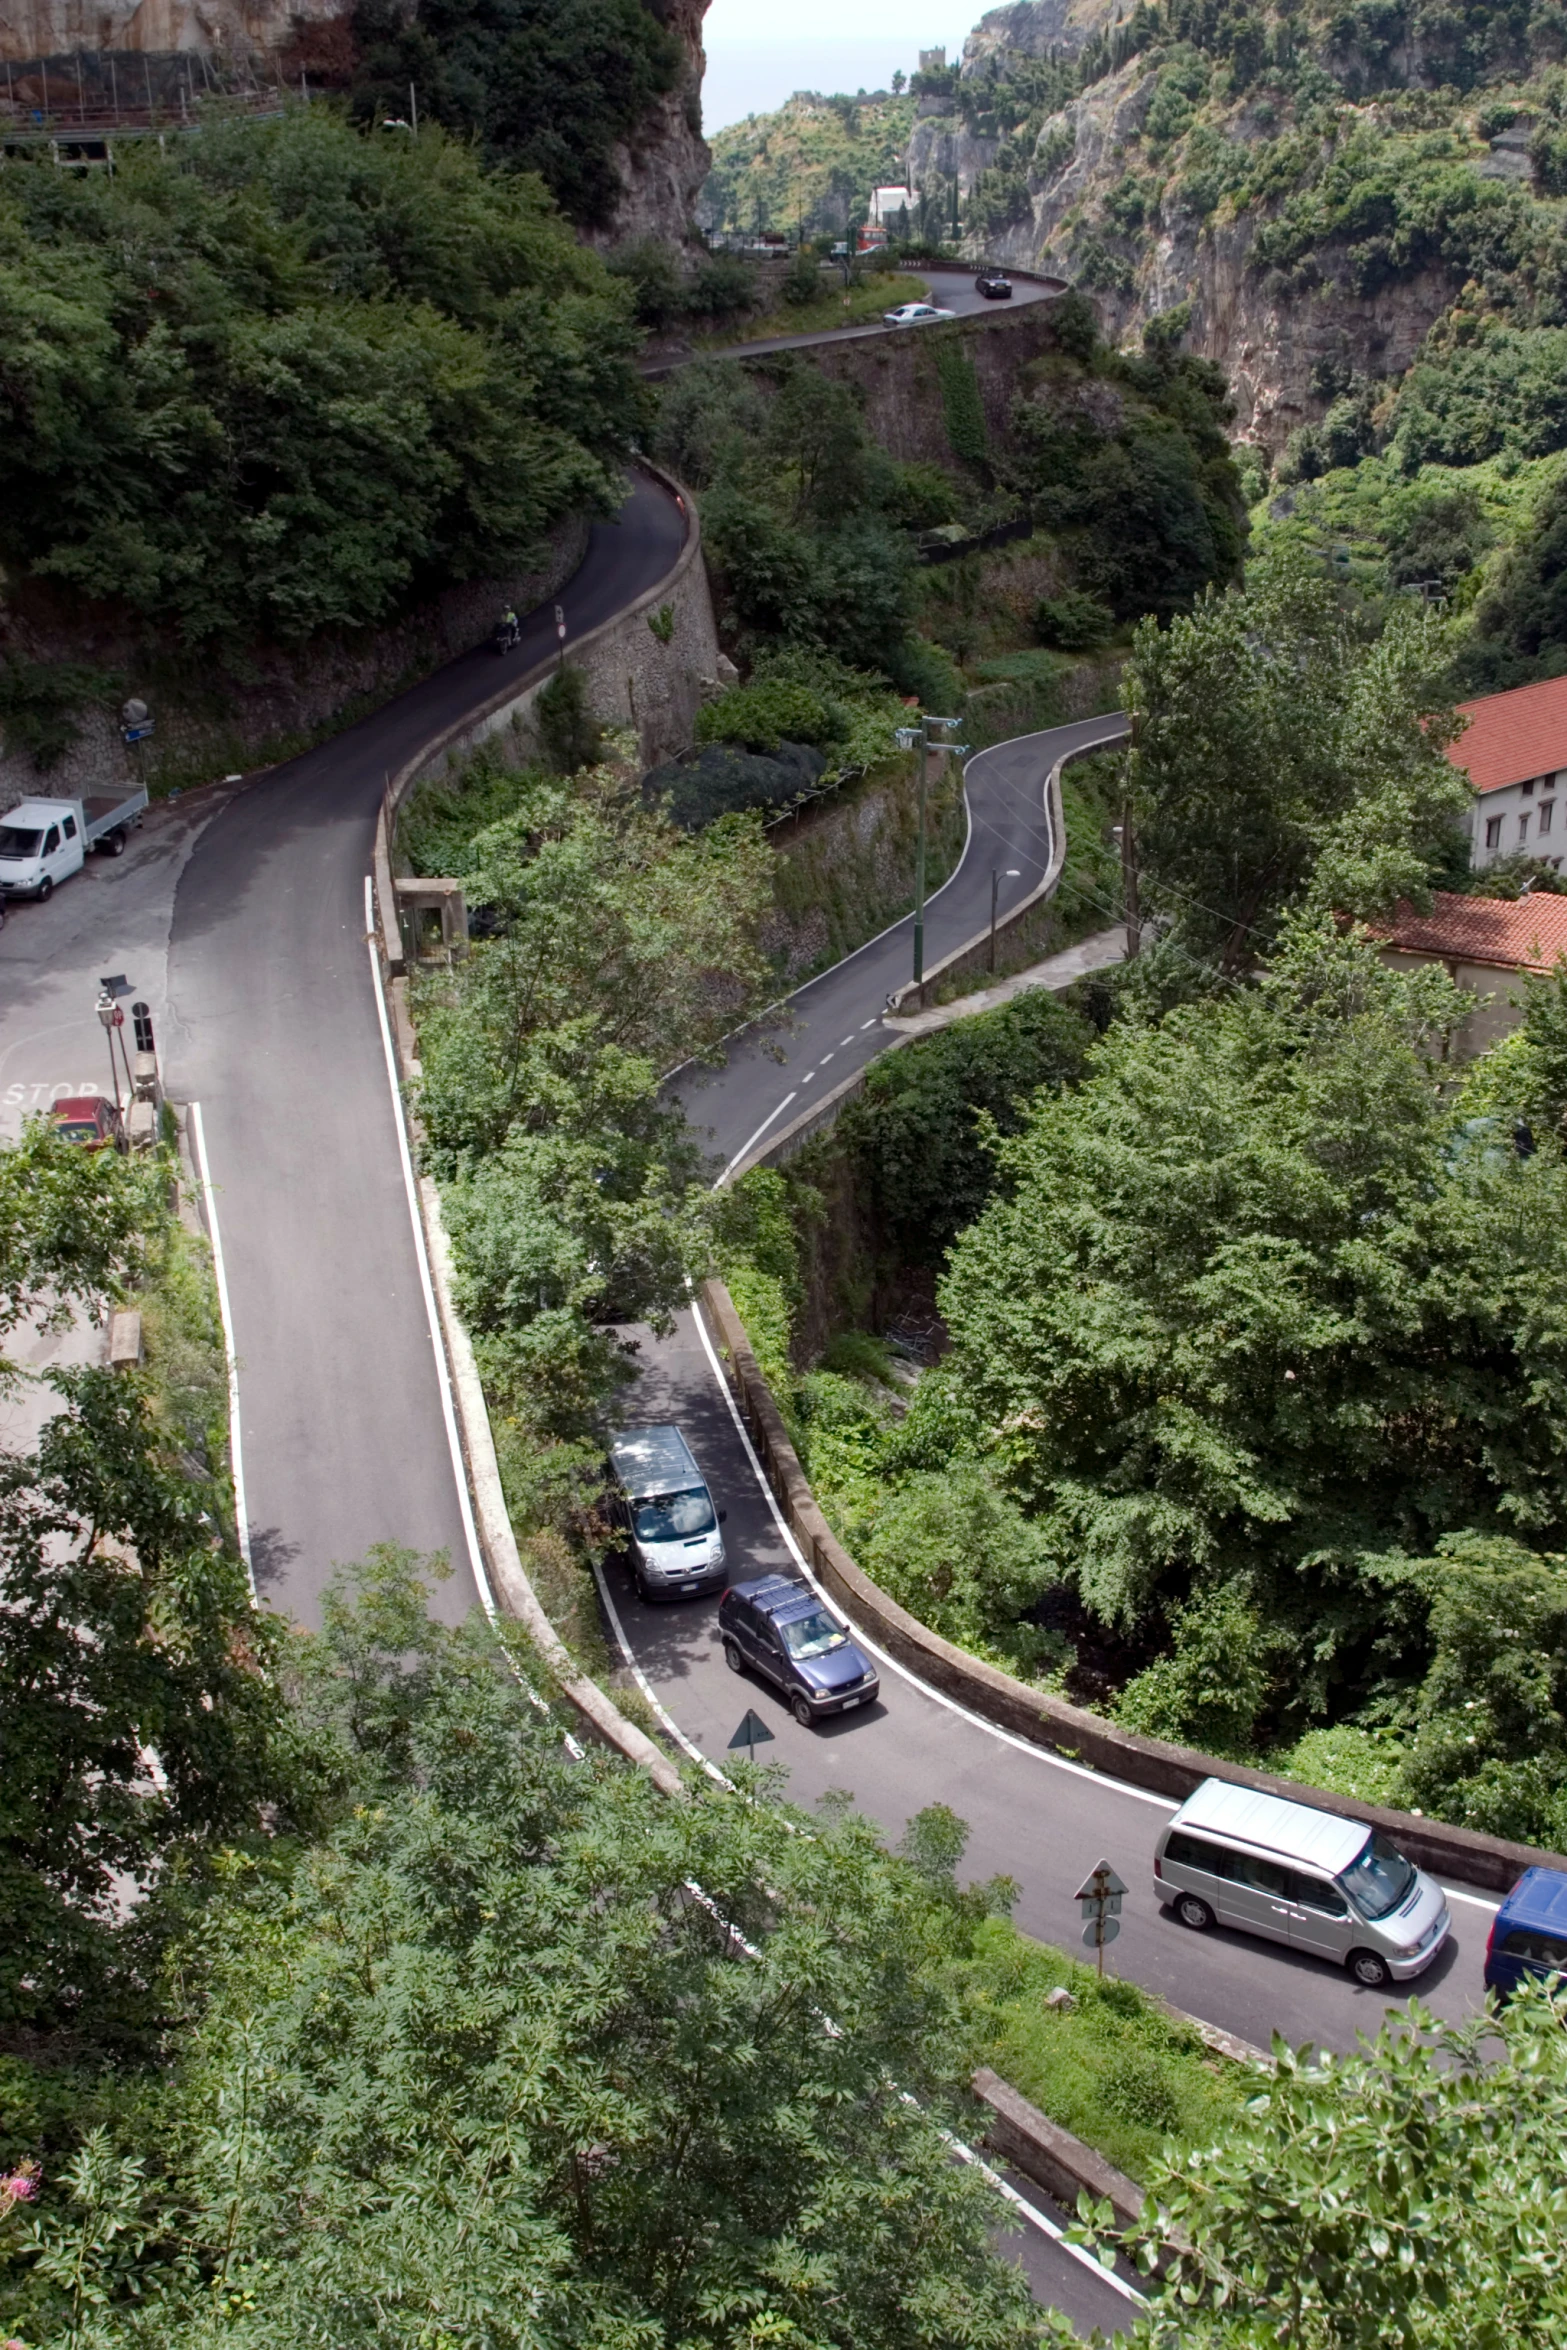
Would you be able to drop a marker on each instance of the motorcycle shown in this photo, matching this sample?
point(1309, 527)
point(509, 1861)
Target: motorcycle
point(506, 637)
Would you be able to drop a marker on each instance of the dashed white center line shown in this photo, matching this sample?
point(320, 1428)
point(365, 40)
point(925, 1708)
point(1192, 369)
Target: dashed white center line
point(864, 1024)
point(809, 1074)
point(826, 1057)
point(843, 1040)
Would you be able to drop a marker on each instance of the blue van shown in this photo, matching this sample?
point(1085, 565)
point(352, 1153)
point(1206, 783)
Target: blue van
point(1529, 1939)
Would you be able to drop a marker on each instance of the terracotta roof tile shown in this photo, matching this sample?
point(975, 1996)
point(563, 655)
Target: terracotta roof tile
point(1520, 934)
point(1514, 735)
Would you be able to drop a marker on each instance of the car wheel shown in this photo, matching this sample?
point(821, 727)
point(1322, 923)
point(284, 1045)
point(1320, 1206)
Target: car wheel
point(115, 844)
point(801, 1712)
point(732, 1657)
point(45, 890)
point(644, 1591)
point(1370, 1971)
point(1194, 1913)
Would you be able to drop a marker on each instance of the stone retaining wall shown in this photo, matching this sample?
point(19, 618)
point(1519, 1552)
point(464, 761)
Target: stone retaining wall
point(636, 678)
point(1047, 1721)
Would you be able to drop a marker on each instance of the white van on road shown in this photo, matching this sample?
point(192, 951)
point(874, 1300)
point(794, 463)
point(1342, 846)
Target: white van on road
point(667, 1511)
point(43, 842)
point(1234, 1856)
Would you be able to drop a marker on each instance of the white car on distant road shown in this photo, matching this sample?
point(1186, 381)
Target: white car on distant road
point(916, 314)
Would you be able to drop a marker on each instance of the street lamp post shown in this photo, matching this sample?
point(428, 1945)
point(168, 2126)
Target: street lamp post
point(908, 736)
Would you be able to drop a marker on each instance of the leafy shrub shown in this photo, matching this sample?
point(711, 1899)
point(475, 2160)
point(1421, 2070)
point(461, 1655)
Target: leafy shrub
point(723, 287)
point(920, 1133)
point(38, 705)
point(1209, 1693)
point(802, 282)
point(1072, 622)
point(1136, 2086)
point(760, 717)
point(652, 270)
point(952, 1549)
point(723, 780)
point(570, 734)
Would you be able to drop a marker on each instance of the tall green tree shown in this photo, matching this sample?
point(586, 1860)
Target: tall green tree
point(1251, 1304)
point(142, 1722)
point(622, 946)
point(1277, 751)
point(284, 376)
point(527, 2054)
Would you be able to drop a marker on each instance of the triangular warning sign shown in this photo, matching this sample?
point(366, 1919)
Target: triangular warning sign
point(753, 1731)
point(1100, 1885)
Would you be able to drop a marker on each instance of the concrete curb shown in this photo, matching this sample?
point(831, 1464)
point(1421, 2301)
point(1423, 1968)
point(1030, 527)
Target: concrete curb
point(1019, 2134)
point(508, 1576)
point(1044, 1720)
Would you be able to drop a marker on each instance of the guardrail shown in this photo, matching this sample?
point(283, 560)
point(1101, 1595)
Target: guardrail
point(1044, 1720)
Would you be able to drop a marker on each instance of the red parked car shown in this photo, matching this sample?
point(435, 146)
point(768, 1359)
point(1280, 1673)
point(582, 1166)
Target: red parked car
point(89, 1119)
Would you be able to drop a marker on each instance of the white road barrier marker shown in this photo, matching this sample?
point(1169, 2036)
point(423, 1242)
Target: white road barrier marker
point(426, 1286)
point(236, 1451)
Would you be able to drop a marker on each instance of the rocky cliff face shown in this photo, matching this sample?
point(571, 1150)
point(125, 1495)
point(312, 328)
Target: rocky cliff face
point(1274, 342)
point(241, 29)
point(662, 170)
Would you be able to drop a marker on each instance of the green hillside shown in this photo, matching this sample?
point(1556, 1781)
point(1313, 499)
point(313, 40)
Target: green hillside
point(811, 166)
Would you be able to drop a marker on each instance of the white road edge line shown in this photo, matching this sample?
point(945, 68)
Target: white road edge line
point(1041, 2220)
point(1041, 1754)
point(756, 1137)
point(1475, 1900)
point(686, 1745)
point(220, 1275)
point(427, 1287)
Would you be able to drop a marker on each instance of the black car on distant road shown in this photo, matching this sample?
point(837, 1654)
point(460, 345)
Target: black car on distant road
point(994, 284)
point(780, 1629)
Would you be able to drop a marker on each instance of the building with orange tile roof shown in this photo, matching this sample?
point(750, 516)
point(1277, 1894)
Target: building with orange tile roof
point(1514, 752)
point(1485, 945)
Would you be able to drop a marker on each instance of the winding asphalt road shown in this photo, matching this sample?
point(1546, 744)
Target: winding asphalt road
point(949, 289)
point(832, 1026)
point(240, 915)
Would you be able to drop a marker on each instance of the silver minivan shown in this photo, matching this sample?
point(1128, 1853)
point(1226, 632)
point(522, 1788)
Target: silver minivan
point(663, 1503)
point(1233, 1856)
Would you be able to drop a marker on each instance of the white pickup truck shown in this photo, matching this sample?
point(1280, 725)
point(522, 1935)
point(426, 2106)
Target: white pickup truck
point(45, 841)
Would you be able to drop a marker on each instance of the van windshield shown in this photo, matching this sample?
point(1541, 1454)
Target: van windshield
point(1378, 1878)
point(672, 1517)
point(14, 842)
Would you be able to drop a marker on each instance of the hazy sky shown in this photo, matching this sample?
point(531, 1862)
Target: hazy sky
point(753, 65)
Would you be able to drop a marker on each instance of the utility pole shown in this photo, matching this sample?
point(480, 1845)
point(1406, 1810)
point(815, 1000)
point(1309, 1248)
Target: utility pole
point(1134, 927)
point(413, 109)
point(919, 859)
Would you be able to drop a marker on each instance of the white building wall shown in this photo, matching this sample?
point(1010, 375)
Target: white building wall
point(1531, 817)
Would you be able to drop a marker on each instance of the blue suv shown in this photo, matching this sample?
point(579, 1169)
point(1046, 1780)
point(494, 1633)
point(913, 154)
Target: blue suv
point(1529, 1939)
point(782, 1631)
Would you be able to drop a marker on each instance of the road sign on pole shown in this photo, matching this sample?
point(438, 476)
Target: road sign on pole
point(1100, 1895)
point(752, 1733)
